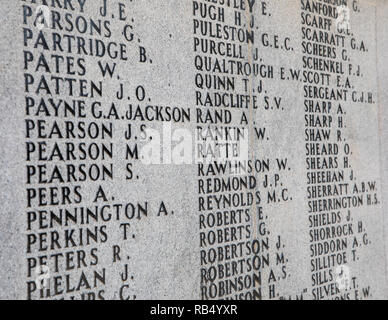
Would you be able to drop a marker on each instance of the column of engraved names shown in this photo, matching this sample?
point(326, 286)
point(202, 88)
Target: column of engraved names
point(70, 155)
point(332, 190)
point(233, 186)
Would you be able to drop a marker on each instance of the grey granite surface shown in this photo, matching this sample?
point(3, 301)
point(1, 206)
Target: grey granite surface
point(163, 230)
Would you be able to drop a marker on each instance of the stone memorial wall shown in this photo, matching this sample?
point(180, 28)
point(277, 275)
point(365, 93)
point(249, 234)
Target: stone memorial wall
point(193, 149)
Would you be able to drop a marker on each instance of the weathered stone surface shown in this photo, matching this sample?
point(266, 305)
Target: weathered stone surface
point(193, 149)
